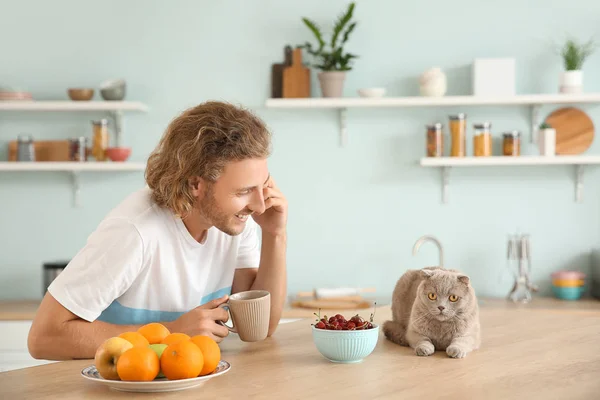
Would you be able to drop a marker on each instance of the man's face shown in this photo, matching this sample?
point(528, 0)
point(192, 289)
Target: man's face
point(228, 202)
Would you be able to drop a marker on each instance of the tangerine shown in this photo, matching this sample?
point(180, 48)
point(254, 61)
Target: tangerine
point(135, 338)
point(181, 360)
point(174, 338)
point(138, 364)
point(155, 332)
point(210, 351)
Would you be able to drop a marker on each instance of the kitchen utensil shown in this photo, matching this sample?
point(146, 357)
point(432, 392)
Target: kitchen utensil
point(345, 346)
point(277, 73)
point(519, 260)
point(574, 130)
point(45, 150)
point(51, 271)
point(158, 384)
point(80, 94)
point(296, 78)
point(25, 148)
point(322, 293)
point(250, 312)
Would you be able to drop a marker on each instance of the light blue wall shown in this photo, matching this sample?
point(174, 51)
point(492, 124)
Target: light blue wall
point(355, 212)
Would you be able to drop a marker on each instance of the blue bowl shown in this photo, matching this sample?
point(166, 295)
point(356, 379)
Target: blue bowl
point(568, 293)
point(345, 346)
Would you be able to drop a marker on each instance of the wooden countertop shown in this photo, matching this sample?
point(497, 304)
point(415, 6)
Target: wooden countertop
point(539, 351)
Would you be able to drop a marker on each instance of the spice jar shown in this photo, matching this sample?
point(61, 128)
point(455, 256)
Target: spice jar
point(100, 139)
point(458, 134)
point(511, 145)
point(482, 140)
point(78, 149)
point(435, 140)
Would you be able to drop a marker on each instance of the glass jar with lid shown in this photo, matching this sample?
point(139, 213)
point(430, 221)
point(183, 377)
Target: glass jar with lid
point(458, 135)
point(435, 140)
point(482, 139)
point(511, 144)
point(100, 139)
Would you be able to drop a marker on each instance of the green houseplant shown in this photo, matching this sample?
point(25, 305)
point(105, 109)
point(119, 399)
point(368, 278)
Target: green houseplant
point(574, 54)
point(332, 61)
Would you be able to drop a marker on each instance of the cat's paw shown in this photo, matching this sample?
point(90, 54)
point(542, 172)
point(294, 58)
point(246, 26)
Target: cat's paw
point(456, 351)
point(424, 349)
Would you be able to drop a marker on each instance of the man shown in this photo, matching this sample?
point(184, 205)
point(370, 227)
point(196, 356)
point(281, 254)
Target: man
point(174, 251)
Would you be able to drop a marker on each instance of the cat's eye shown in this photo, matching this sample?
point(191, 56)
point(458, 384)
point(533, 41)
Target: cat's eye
point(432, 296)
point(453, 298)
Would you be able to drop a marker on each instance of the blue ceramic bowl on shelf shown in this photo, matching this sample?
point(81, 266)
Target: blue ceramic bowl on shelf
point(345, 346)
point(568, 293)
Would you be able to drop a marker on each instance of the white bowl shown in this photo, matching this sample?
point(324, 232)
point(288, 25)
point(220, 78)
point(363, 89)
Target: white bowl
point(371, 92)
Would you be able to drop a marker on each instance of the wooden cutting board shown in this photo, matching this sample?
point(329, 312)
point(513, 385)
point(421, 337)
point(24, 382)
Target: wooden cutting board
point(332, 304)
point(574, 130)
point(277, 73)
point(296, 78)
point(45, 150)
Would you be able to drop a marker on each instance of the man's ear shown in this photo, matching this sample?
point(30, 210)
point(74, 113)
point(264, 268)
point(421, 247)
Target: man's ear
point(196, 185)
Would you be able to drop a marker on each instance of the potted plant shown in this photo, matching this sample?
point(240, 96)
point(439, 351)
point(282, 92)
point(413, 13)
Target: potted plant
point(333, 62)
point(547, 139)
point(574, 55)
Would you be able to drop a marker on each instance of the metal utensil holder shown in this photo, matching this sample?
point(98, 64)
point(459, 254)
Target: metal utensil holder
point(519, 259)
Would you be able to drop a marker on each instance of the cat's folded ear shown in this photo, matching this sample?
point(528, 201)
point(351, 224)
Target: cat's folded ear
point(464, 279)
point(427, 273)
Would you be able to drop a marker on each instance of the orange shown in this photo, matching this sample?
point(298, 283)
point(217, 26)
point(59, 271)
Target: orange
point(174, 338)
point(154, 332)
point(210, 351)
point(181, 360)
point(135, 338)
point(138, 364)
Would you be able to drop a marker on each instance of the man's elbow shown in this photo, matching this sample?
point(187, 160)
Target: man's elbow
point(35, 345)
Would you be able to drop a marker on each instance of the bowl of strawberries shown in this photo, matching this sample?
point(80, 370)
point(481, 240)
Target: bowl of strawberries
point(344, 340)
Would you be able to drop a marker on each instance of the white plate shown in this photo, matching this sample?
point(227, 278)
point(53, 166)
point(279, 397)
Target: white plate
point(157, 385)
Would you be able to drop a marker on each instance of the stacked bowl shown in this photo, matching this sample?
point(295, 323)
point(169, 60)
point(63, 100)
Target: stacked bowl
point(568, 285)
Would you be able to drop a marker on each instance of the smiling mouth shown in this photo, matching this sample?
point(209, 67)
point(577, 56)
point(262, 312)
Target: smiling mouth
point(242, 217)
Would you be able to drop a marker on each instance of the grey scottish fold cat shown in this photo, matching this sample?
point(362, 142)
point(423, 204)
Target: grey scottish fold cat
point(434, 309)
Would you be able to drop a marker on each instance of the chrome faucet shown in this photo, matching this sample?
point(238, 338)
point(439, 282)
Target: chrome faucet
point(433, 239)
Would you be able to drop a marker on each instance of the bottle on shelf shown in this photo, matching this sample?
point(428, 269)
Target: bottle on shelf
point(100, 139)
point(458, 134)
point(482, 140)
point(435, 140)
point(511, 145)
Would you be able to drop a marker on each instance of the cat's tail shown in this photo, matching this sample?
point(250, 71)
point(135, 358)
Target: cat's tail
point(395, 332)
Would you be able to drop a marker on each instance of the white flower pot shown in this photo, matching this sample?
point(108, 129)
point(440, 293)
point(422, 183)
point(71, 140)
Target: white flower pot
point(332, 83)
point(547, 142)
point(571, 81)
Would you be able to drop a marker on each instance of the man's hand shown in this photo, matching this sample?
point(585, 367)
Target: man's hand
point(202, 320)
point(274, 219)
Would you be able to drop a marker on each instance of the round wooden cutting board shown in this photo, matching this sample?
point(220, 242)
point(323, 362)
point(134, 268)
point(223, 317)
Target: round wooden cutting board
point(574, 130)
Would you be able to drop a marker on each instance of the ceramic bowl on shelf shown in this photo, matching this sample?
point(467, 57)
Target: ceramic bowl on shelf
point(118, 154)
point(113, 89)
point(371, 92)
point(80, 94)
point(568, 293)
point(345, 346)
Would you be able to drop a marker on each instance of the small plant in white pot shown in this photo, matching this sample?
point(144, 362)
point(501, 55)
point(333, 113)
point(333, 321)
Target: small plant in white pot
point(574, 55)
point(333, 63)
point(547, 140)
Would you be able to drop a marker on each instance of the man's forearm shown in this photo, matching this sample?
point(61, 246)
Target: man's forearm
point(272, 275)
point(76, 339)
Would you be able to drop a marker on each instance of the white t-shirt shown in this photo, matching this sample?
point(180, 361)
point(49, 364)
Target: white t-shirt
point(142, 265)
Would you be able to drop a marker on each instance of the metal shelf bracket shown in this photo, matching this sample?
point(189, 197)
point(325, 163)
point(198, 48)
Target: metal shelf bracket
point(579, 183)
point(343, 127)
